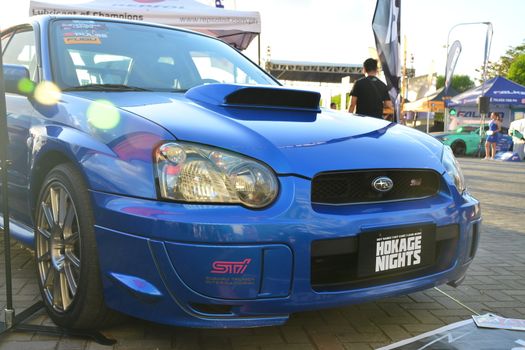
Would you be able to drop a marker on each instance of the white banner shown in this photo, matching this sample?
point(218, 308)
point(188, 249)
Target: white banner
point(237, 28)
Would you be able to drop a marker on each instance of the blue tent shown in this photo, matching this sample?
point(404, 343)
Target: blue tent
point(500, 91)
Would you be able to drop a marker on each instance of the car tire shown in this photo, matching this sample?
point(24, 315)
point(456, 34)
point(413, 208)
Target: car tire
point(459, 148)
point(66, 252)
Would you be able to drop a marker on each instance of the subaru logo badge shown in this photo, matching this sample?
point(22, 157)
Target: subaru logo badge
point(382, 184)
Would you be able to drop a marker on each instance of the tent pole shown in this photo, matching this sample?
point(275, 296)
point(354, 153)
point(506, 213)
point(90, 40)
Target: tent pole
point(488, 43)
point(259, 48)
point(4, 163)
point(445, 120)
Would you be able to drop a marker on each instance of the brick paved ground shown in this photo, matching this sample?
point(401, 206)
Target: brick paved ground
point(496, 283)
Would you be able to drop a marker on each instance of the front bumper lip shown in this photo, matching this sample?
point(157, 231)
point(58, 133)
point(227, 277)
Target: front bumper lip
point(143, 234)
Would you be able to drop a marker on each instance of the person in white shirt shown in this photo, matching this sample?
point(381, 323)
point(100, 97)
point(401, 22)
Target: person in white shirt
point(517, 131)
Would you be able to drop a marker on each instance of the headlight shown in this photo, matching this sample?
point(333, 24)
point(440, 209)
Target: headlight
point(202, 174)
point(453, 168)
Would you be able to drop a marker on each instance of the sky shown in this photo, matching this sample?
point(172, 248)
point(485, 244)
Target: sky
point(339, 31)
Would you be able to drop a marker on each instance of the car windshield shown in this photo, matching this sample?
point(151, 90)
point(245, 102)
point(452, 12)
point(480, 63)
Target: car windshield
point(104, 55)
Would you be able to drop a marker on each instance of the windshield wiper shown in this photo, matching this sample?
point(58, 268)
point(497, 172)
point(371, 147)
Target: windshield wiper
point(104, 87)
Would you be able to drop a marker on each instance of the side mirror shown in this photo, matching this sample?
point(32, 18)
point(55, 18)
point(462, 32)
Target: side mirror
point(16, 80)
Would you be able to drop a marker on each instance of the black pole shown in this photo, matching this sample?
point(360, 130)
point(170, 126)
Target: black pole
point(4, 163)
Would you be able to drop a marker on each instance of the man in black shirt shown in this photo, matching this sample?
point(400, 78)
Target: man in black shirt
point(369, 94)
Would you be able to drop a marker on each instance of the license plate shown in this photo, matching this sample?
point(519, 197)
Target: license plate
point(396, 250)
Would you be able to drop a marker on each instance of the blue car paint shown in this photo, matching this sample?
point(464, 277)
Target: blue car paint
point(225, 228)
point(329, 141)
point(140, 238)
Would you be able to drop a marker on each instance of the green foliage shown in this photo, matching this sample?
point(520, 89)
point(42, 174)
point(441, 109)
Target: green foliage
point(337, 100)
point(459, 82)
point(502, 66)
point(517, 70)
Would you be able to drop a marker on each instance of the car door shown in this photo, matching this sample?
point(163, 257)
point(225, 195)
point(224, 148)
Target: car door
point(20, 49)
point(471, 139)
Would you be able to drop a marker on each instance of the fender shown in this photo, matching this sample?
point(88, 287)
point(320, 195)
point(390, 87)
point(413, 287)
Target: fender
point(128, 147)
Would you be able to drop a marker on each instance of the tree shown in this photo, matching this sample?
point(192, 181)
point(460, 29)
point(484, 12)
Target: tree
point(517, 70)
point(337, 100)
point(502, 66)
point(459, 82)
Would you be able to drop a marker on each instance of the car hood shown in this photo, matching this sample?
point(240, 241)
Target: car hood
point(290, 140)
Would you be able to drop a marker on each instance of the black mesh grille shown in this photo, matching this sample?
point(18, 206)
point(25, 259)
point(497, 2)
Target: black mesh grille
point(356, 186)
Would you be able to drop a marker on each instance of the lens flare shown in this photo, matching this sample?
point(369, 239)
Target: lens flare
point(26, 86)
point(103, 114)
point(47, 93)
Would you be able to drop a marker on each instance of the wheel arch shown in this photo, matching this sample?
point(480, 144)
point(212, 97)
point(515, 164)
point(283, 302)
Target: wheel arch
point(52, 146)
point(459, 142)
point(42, 166)
point(118, 162)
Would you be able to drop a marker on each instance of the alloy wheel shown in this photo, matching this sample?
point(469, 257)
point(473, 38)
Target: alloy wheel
point(58, 247)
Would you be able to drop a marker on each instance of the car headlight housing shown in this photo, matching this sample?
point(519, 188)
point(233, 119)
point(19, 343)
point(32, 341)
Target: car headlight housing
point(202, 174)
point(453, 169)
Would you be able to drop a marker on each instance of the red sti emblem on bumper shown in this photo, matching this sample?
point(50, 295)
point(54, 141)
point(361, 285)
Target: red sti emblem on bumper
point(232, 267)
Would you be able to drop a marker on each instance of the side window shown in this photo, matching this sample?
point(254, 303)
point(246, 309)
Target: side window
point(21, 50)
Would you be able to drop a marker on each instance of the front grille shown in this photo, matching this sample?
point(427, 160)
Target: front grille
point(349, 187)
point(335, 263)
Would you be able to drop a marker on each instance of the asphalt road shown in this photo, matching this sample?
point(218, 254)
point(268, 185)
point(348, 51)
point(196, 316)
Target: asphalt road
point(495, 283)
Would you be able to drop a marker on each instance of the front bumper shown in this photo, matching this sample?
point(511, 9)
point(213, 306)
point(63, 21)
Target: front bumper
point(228, 266)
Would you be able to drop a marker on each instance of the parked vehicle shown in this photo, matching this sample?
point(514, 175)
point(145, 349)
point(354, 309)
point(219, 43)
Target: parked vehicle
point(161, 174)
point(466, 140)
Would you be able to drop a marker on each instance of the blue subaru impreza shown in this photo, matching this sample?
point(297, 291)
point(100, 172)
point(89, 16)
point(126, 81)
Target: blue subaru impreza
point(159, 173)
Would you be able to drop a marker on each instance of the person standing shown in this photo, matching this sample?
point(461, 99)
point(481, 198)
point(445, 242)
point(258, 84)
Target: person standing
point(492, 136)
point(517, 131)
point(369, 95)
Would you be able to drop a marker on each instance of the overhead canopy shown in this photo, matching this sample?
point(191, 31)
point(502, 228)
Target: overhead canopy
point(499, 90)
point(431, 103)
point(313, 71)
point(237, 28)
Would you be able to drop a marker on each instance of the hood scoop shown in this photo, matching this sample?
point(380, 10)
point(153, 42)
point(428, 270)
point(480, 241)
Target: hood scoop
point(253, 96)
